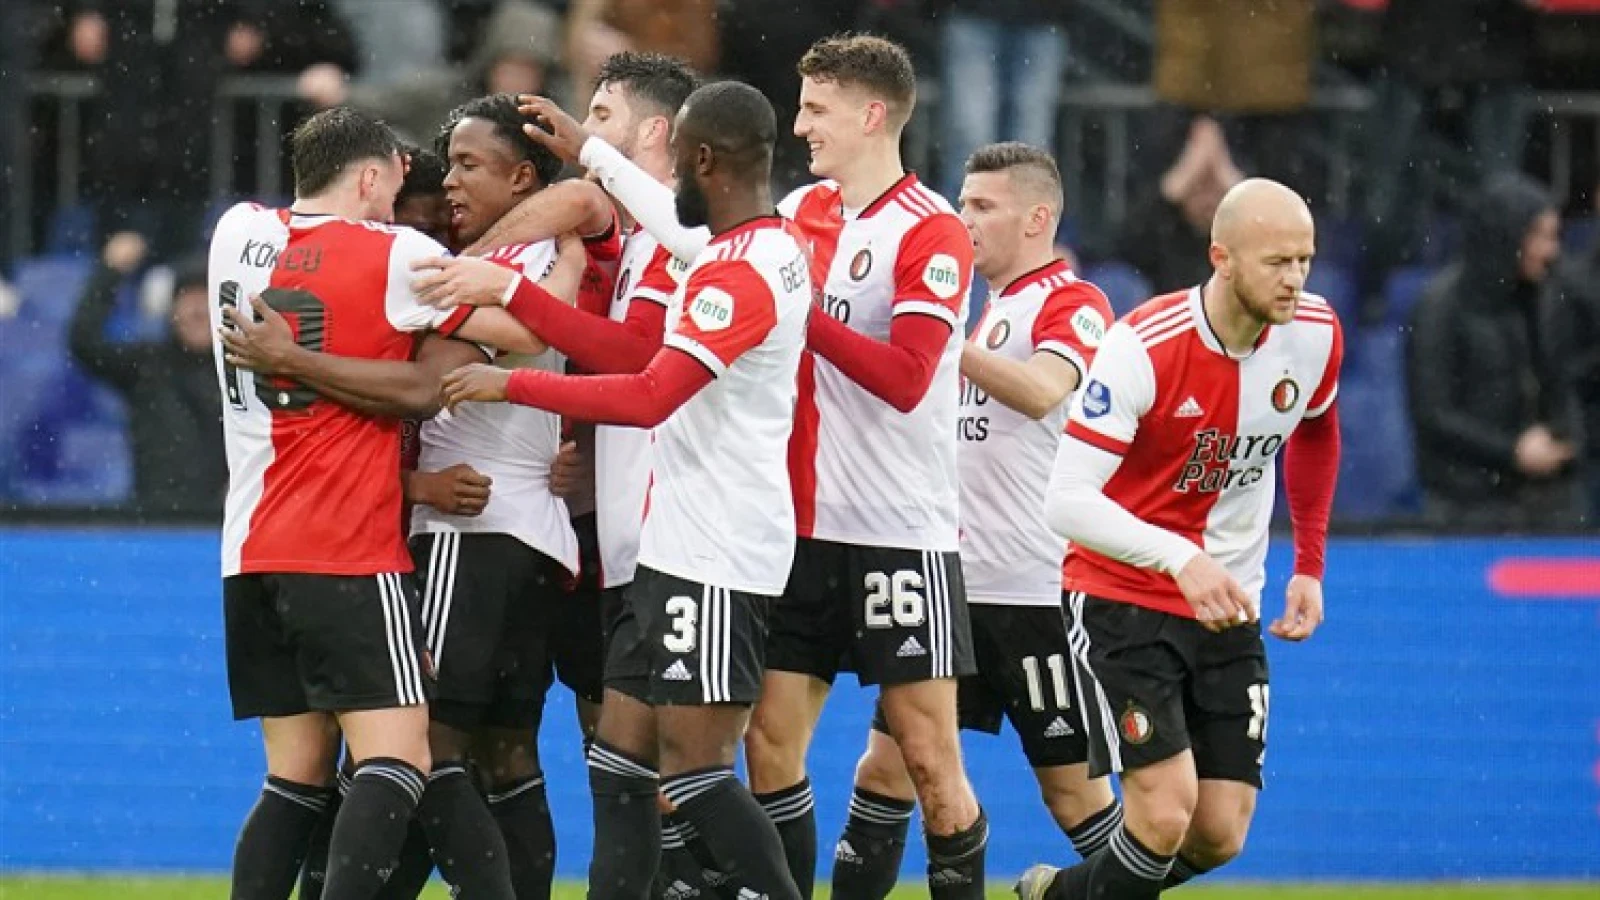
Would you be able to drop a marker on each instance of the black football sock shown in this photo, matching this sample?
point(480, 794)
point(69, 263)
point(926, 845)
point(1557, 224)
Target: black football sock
point(412, 867)
point(371, 827)
point(273, 842)
point(523, 812)
point(314, 871)
point(955, 862)
point(1091, 834)
point(793, 812)
point(1183, 872)
point(1124, 869)
point(736, 830)
point(866, 861)
point(627, 825)
point(467, 845)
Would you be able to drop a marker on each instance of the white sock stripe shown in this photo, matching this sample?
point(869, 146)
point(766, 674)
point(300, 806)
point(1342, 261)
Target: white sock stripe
point(316, 804)
point(517, 791)
point(681, 790)
point(409, 654)
point(879, 818)
point(408, 780)
point(1136, 859)
point(617, 764)
point(447, 771)
point(788, 808)
point(695, 780)
point(864, 807)
point(1102, 829)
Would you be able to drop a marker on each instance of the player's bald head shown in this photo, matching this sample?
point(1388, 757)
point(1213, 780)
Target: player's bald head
point(1256, 207)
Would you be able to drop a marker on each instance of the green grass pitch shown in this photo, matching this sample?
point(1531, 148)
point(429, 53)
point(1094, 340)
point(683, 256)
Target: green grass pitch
point(204, 888)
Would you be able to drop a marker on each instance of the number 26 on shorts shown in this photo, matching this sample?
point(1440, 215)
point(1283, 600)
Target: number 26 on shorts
point(894, 601)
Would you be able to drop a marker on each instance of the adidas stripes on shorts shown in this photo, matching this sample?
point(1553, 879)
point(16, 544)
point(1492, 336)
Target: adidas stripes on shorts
point(683, 643)
point(891, 615)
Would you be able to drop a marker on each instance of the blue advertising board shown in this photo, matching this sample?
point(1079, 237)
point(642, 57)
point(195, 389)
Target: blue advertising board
point(1444, 723)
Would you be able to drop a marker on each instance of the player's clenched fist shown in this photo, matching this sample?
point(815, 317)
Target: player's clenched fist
point(480, 383)
point(1214, 595)
point(458, 491)
point(1302, 609)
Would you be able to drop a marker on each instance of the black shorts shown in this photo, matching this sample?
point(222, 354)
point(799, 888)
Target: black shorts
point(579, 627)
point(332, 643)
point(488, 606)
point(892, 616)
point(1025, 674)
point(682, 643)
point(1156, 684)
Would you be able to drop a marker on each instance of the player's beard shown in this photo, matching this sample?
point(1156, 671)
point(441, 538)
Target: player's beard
point(693, 208)
point(1265, 309)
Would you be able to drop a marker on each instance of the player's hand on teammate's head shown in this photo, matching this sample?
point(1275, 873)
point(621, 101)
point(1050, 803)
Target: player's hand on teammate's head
point(457, 491)
point(262, 343)
point(552, 127)
point(1215, 596)
point(124, 251)
point(447, 282)
point(478, 383)
point(1302, 609)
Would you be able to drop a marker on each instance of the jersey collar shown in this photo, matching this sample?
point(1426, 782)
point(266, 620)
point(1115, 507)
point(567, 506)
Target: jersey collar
point(748, 225)
point(1030, 278)
point(1208, 334)
point(895, 190)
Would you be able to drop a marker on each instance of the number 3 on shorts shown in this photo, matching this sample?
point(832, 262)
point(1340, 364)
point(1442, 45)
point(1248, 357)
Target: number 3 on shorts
point(1260, 701)
point(685, 614)
point(894, 601)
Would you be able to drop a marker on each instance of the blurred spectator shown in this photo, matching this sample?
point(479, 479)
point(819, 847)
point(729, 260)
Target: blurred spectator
point(17, 18)
point(519, 48)
point(1467, 54)
point(159, 62)
point(1575, 343)
point(174, 407)
point(1249, 64)
point(1168, 236)
point(1496, 429)
point(1002, 66)
point(394, 38)
point(687, 29)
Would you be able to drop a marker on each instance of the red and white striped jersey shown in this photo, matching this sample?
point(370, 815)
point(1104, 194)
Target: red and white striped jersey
point(314, 487)
point(513, 445)
point(1009, 553)
point(864, 473)
point(719, 509)
point(648, 274)
point(1198, 431)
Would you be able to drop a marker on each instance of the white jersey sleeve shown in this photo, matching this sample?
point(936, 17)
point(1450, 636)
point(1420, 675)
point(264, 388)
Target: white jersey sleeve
point(405, 310)
point(1119, 390)
point(650, 202)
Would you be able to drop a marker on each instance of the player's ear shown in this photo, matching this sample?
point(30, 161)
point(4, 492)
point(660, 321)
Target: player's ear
point(876, 117)
point(655, 131)
point(524, 178)
point(1221, 260)
point(1038, 219)
point(705, 160)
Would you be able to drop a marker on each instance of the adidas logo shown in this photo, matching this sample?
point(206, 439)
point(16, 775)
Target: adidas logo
point(1059, 729)
point(747, 894)
point(947, 878)
point(910, 648)
point(845, 853)
point(713, 878)
point(677, 672)
point(1189, 409)
point(681, 890)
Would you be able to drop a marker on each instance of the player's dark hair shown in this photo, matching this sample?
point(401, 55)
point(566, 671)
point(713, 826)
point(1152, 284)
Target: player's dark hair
point(500, 110)
point(1031, 165)
point(332, 140)
point(877, 64)
point(735, 120)
point(425, 175)
point(662, 82)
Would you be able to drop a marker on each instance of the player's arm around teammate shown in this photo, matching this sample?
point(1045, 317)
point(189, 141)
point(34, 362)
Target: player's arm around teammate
point(1168, 612)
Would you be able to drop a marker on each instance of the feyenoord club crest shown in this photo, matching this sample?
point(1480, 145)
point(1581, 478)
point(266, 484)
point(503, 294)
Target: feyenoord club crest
point(1285, 394)
point(1135, 724)
point(861, 264)
point(998, 334)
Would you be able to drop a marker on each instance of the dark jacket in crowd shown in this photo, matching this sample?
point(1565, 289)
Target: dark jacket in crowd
point(1436, 43)
point(1575, 344)
point(174, 407)
point(1158, 240)
point(1480, 373)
